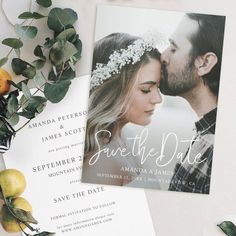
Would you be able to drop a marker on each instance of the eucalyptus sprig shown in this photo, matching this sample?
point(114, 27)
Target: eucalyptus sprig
point(61, 50)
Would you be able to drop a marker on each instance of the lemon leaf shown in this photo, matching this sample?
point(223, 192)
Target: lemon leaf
point(45, 233)
point(24, 216)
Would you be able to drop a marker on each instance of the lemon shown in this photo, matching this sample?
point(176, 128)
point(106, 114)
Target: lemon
point(4, 85)
point(9, 223)
point(12, 183)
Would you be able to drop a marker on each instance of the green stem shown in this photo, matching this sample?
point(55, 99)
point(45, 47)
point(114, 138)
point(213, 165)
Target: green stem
point(62, 69)
point(23, 125)
point(8, 54)
point(22, 229)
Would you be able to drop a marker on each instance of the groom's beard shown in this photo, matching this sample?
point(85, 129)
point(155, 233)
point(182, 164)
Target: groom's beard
point(175, 84)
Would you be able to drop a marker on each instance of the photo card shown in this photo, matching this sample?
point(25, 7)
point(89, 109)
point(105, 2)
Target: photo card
point(153, 99)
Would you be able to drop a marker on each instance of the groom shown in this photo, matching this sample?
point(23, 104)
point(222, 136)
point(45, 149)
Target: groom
point(191, 69)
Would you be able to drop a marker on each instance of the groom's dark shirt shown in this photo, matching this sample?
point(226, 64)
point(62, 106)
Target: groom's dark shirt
point(196, 177)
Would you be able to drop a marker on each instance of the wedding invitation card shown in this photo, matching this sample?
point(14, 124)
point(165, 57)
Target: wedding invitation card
point(49, 152)
point(153, 99)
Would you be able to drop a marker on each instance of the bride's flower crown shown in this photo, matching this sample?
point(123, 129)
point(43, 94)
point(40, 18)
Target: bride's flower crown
point(131, 55)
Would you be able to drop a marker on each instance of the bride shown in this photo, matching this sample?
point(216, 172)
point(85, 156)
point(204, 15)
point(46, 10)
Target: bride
point(126, 73)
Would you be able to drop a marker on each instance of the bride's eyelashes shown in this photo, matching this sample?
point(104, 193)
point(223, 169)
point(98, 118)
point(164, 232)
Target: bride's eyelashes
point(145, 91)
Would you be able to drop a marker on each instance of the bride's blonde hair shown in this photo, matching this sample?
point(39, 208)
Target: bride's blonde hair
point(107, 102)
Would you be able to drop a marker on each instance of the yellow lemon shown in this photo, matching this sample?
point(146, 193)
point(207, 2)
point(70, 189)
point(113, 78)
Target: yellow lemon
point(4, 85)
point(9, 223)
point(12, 183)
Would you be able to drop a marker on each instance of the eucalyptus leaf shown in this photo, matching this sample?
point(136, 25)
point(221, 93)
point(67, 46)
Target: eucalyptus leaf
point(69, 51)
point(68, 74)
point(56, 54)
point(8, 115)
point(26, 91)
point(14, 119)
point(17, 51)
point(38, 52)
point(30, 31)
point(228, 228)
point(39, 80)
point(24, 102)
point(59, 18)
point(39, 64)
point(26, 31)
point(12, 104)
point(27, 114)
point(29, 73)
point(61, 52)
point(66, 34)
point(13, 42)
point(18, 66)
point(52, 76)
point(30, 15)
point(49, 42)
point(3, 61)
point(37, 16)
point(26, 15)
point(56, 92)
point(78, 45)
point(45, 233)
point(24, 216)
point(34, 107)
point(44, 3)
point(41, 107)
point(20, 83)
point(35, 102)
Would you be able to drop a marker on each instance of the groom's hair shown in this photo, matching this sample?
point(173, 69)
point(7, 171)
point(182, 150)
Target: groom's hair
point(209, 38)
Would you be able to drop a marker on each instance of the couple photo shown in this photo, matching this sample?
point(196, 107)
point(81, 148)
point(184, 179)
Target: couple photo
point(153, 99)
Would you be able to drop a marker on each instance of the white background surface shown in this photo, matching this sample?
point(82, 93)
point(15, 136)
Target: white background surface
point(180, 214)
